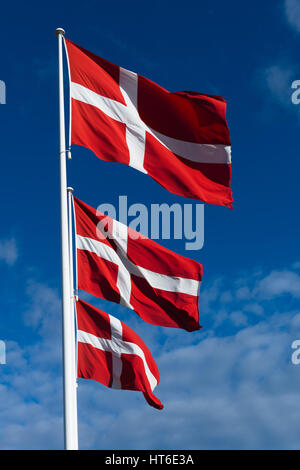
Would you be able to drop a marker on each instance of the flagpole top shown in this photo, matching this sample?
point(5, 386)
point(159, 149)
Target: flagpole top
point(59, 31)
point(70, 190)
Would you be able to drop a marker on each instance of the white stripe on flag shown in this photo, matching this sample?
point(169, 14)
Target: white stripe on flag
point(135, 132)
point(120, 234)
point(136, 128)
point(156, 280)
point(117, 365)
point(117, 347)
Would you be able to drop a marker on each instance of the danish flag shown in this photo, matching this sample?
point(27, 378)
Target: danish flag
point(119, 264)
point(180, 139)
point(113, 354)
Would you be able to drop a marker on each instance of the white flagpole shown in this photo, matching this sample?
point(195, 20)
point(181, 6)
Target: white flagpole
point(72, 326)
point(69, 377)
point(70, 192)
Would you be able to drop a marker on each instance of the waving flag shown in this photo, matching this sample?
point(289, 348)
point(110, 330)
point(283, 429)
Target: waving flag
point(180, 139)
point(113, 354)
point(118, 264)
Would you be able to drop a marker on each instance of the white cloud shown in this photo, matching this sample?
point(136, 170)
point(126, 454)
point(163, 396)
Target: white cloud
point(26, 424)
point(255, 308)
point(44, 315)
point(45, 307)
point(292, 11)
point(278, 79)
point(243, 293)
point(30, 413)
point(226, 297)
point(238, 318)
point(278, 283)
point(237, 392)
point(31, 380)
point(8, 251)
point(220, 389)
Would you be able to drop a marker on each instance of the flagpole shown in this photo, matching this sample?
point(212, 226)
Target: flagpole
point(69, 377)
point(73, 308)
point(70, 192)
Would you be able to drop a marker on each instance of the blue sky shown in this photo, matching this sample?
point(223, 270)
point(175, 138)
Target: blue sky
point(231, 385)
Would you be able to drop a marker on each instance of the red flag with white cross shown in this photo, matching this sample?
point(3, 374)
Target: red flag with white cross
point(179, 139)
point(113, 354)
point(119, 264)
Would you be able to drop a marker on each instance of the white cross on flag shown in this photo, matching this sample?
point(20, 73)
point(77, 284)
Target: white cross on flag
point(113, 354)
point(119, 264)
point(180, 139)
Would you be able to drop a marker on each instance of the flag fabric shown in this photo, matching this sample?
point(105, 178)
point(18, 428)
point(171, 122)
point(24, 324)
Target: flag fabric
point(180, 139)
point(119, 264)
point(113, 354)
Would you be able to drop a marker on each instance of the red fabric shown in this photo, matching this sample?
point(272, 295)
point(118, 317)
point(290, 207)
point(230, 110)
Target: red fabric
point(201, 118)
point(89, 123)
point(156, 306)
point(93, 72)
point(209, 182)
point(97, 276)
point(160, 307)
point(97, 364)
point(188, 116)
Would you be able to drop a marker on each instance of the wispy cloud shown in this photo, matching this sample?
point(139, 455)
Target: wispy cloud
point(278, 283)
point(237, 391)
point(292, 11)
point(278, 79)
point(275, 82)
point(43, 314)
point(8, 251)
point(231, 385)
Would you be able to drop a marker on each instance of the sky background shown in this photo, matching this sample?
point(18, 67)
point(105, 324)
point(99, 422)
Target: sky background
point(231, 385)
